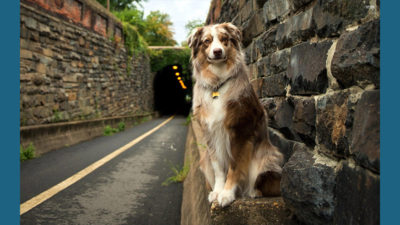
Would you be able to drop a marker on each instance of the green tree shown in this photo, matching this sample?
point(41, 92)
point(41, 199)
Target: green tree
point(134, 17)
point(158, 30)
point(118, 5)
point(191, 24)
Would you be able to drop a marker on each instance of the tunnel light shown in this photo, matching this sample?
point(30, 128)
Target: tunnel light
point(174, 67)
point(182, 84)
point(179, 78)
point(177, 74)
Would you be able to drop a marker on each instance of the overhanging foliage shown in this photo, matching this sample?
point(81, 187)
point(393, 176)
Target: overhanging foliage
point(165, 57)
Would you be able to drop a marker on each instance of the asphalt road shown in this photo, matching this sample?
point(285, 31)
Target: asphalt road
point(126, 190)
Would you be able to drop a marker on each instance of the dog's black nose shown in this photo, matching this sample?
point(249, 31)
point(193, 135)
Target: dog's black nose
point(217, 52)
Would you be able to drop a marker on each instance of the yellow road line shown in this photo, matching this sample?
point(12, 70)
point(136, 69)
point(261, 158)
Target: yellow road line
point(33, 202)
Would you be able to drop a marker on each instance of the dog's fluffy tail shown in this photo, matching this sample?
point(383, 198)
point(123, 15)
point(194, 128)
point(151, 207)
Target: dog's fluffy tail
point(269, 161)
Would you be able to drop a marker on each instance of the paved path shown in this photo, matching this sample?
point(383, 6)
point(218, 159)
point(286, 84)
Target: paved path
point(126, 190)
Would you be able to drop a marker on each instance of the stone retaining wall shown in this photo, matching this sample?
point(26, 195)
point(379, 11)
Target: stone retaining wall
point(315, 66)
point(48, 137)
point(73, 65)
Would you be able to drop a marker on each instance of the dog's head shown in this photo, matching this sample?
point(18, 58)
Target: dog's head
point(215, 43)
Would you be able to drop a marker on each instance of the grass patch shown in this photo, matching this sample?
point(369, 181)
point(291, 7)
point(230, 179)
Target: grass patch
point(108, 130)
point(27, 153)
point(179, 174)
point(121, 126)
point(145, 119)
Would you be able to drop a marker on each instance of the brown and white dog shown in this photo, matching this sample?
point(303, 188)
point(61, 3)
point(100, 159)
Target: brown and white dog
point(239, 153)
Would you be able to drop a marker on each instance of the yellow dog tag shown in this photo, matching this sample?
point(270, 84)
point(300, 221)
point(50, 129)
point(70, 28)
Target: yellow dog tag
point(215, 94)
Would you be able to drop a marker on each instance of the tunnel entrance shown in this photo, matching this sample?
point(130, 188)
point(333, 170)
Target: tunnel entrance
point(172, 91)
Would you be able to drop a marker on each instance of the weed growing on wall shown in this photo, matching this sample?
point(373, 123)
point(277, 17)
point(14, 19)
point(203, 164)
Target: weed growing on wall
point(179, 174)
point(134, 42)
point(57, 117)
point(121, 126)
point(108, 130)
point(27, 153)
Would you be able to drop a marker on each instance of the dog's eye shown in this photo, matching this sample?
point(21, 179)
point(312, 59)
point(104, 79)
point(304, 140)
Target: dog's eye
point(207, 41)
point(224, 39)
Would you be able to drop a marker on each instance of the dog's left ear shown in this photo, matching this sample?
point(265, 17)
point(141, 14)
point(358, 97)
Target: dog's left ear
point(234, 32)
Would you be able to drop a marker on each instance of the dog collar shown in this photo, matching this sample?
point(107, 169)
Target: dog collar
point(215, 92)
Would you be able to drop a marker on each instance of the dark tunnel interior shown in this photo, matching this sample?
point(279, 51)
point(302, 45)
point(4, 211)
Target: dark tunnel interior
point(172, 91)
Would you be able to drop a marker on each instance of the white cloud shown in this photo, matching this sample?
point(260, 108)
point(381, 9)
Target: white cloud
point(180, 12)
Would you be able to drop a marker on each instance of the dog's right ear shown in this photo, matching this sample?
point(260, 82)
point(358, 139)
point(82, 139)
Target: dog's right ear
point(194, 40)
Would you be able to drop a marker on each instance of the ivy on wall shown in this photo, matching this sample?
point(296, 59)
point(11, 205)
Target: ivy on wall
point(134, 42)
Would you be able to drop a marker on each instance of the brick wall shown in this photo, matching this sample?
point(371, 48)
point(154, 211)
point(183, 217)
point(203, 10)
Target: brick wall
point(315, 66)
point(73, 65)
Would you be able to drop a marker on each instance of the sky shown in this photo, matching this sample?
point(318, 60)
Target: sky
point(180, 12)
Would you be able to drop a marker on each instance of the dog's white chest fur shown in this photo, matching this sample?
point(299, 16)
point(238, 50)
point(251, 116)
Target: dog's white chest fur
point(215, 107)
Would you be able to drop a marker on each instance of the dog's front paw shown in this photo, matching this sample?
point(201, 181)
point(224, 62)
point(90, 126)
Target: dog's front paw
point(226, 197)
point(212, 196)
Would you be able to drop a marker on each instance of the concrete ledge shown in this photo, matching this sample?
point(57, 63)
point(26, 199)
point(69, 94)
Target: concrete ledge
point(196, 209)
point(49, 137)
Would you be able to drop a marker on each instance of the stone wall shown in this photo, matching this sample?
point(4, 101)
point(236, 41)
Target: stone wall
point(73, 65)
point(315, 66)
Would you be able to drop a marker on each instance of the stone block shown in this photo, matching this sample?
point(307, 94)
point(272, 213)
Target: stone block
point(275, 85)
point(366, 130)
point(308, 186)
point(25, 54)
point(280, 113)
point(279, 61)
point(276, 10)
point(38, 79)
point(229, 10)
point(307, 69)
point(44, 59)
point(335, 115)
point(295, 29)
point(331, 17)
point(304, 117)
point(253, 28)
point(327, 24)
point(246, 11)
point(249, 55)
point(357, 196)
point(41, 112)
point(357, 57)
point(44, 30)
point(48, 52)
point(266, 44)
point(41, 68)
point(262, 68)
point(274, 63)
point(74, 55)
point(297, 4)
point(30, 23)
